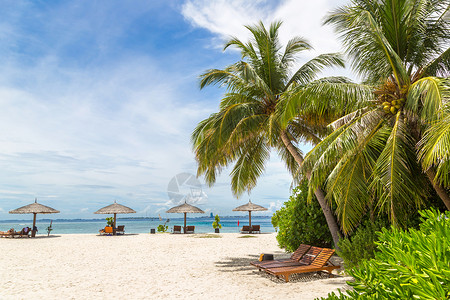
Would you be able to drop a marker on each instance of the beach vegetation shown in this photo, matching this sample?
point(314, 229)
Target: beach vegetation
point(408, 264)
point(216, 223)
point(162, 228)
point(390, 152)
point(110, 221)
point(300, 222)
point(208, 236)
point(246, 236)
point(361, 245)
point(249, 124)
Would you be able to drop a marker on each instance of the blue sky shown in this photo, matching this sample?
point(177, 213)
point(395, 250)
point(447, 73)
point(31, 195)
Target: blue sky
point(98, 98)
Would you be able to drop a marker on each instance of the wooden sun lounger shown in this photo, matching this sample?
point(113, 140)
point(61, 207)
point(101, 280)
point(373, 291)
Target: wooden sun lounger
point(120, 229)
point(320, 263)
point(189, 229)
point(176, 229)
point(9, 233)
point(256, 229)
point(305, 260)
point(246, 228)
point(295, 257)
point(106, 230)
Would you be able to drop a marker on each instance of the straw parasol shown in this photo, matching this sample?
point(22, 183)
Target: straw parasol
point(115, 209)
point(185, 208)
point(34, 208)
point(250, 207)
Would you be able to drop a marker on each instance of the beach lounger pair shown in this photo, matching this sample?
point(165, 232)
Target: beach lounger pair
point(251, 229)
point(108, 230)
point(305, 259)
point(11, 233)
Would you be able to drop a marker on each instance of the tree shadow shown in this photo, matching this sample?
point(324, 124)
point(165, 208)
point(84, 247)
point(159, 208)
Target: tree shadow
point(242, 264)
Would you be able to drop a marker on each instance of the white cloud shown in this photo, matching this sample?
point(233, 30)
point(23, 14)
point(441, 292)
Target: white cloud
point(226, 18)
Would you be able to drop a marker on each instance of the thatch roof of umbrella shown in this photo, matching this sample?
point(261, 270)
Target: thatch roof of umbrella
point(250, 207)
point(115, 209)
point(185, 208)
point(34, 208)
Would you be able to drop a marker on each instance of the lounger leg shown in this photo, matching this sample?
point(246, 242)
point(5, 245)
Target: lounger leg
point(286, 277)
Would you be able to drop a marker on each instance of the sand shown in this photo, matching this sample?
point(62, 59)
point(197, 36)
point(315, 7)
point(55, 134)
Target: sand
point(148, 266)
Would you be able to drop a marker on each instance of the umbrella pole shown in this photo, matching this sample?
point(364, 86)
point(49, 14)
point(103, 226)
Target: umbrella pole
point(33, 232)
point(114, 228)
point(250, 220)
point(185, 222)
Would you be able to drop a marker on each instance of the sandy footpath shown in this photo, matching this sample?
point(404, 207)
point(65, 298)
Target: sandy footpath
point(147, 266)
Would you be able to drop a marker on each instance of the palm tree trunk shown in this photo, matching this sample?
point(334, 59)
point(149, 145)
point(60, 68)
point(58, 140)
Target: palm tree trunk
point(320, 195)
point(439, 190)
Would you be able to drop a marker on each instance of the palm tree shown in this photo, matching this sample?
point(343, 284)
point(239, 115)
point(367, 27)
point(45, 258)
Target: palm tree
point(386, 153)
point(247, 125)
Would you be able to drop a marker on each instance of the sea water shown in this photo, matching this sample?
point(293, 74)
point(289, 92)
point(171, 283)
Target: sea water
point(202, 225)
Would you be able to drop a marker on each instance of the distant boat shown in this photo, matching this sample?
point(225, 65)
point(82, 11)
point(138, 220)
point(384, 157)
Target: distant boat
point(211, 215)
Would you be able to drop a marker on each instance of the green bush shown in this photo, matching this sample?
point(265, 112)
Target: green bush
point(110, 221)
point(360, 245)
point(216, 223)
point(300, 222)
point(412, 264)
point(162, 228)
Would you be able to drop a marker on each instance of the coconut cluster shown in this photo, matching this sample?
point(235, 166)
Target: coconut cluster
point(393, 106)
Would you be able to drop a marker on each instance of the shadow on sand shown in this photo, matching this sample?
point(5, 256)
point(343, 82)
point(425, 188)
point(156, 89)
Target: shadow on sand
point(242, 264)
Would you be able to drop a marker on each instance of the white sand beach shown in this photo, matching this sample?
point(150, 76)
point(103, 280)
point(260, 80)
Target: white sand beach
point(148, 266)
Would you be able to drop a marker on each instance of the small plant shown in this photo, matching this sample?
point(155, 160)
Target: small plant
point(162, 228)
point(49, 228)
point(110, 221)
point(216, 224)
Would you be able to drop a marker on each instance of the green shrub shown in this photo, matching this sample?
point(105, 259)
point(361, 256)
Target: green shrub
point(412, 264)
point(300, 222)
point(162, 228)
point(110, 221)
point(360, 245)
point(216, 224)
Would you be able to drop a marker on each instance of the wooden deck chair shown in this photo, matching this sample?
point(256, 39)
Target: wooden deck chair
point(9, 233)
point(305, 260)
point(256, 228)
point(120, 229)
point(176, 229)
point(25, 232)
point(106, 230)
point(190, 229)
point(247, 229)
point(295, 257)
point(320, 263)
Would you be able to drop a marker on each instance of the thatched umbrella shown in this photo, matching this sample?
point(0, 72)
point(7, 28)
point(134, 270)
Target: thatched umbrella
point(250, 207)
point(34, 208)
point(115, 209)
point(185, 208)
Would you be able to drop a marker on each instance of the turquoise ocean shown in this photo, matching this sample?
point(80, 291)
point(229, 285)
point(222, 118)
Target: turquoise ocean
point(137, 225)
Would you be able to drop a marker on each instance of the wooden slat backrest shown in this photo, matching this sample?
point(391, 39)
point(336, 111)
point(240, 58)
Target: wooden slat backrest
point(301, 250)
point(310, 256)
point(323, 257)
point(256, 227)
